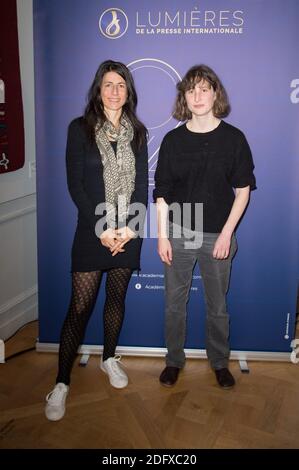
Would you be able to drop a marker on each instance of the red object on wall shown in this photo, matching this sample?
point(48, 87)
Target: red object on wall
point(12, 154)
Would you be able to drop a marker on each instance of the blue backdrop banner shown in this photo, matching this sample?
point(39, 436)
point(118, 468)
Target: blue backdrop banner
point(252, 47)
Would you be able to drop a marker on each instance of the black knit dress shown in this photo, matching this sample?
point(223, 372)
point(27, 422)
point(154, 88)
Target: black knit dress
point(86, 187)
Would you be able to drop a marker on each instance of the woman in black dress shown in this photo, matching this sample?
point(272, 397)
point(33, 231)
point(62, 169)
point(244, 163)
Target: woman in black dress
point(107, 171)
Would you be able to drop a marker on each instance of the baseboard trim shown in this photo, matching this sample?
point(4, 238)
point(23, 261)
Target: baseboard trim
point(160, 352)
point(18, 311)
point(9, 328)
point(18, 213)
point(18, 299)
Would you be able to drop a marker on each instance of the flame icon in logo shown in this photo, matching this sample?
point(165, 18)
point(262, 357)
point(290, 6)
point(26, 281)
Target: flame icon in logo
point(113, 25)
point(117, 26)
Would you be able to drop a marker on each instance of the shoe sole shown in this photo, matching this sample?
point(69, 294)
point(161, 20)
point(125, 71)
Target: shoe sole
point(167, 385)
point(55, 419)
point(226, 387)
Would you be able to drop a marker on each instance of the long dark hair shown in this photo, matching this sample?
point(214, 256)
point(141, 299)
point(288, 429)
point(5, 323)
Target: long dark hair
point(94, 111)
point(195, 75)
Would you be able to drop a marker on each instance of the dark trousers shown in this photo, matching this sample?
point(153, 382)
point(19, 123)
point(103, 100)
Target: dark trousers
point(215, 276)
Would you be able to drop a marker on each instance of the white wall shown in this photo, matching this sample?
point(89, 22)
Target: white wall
point(18, 274)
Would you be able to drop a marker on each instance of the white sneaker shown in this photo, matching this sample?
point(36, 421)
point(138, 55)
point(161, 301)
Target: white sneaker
point(55, 407)
point(117, 376)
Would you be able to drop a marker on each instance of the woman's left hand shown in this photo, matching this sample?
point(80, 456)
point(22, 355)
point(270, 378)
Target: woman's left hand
point(222, 246)
point(123, 236)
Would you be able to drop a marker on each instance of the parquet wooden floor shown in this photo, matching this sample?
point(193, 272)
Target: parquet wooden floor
point(262, 411)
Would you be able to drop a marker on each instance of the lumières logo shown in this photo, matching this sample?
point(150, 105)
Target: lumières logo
point(113, 23)
point(186, 22)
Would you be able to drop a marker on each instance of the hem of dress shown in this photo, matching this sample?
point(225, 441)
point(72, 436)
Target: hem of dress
point(88, 270)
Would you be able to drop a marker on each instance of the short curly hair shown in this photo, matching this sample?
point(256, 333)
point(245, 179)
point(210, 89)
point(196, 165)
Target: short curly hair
point(195, 75)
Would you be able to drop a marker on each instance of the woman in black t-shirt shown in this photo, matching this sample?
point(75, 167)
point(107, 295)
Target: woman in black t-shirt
point(203, 181)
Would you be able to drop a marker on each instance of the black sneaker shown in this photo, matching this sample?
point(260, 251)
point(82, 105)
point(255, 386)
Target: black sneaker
point(169, 376)
point(224, 378)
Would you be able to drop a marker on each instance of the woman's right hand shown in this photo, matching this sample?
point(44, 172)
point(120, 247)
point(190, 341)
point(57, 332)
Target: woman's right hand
point(108, 238)
point(165, 250)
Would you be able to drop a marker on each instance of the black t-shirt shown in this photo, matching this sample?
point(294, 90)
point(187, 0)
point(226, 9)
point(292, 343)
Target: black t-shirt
point(204, 168)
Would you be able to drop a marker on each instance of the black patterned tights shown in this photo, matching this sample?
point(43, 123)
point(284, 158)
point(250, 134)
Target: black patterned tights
point(85, 288)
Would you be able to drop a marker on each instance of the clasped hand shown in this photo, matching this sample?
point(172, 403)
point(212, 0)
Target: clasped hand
point(115, 239)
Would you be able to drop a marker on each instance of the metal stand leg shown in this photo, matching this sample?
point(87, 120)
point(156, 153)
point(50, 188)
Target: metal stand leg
point(84, 360)
point(244, 367)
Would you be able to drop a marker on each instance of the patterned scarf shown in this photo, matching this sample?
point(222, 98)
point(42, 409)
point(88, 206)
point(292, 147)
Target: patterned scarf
point(119, 170)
